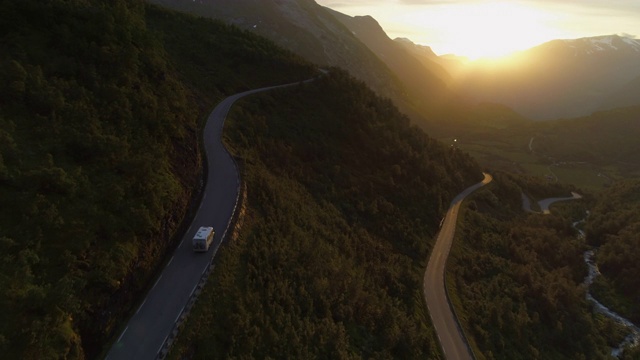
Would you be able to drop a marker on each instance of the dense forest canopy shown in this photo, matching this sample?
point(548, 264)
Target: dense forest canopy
point(101, 104)
point(345, 197)
point(518, 279)
point(613, 226)
point(590, 151)
point(99, 157)
point(606, 138)
point(91, 119)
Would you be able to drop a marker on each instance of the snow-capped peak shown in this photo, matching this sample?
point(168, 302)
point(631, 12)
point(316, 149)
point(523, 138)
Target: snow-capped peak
point(604, 43)
point(635, 43)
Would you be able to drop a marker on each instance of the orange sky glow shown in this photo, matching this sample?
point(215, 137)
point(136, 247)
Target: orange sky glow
point(485, 28)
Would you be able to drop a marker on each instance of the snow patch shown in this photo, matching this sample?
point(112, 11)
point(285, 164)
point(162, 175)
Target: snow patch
point(634, 43)
point(603, 44)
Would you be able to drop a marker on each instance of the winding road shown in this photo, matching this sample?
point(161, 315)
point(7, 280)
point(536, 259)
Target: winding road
point(451, 337)
point(149, 327)
point(546, 203)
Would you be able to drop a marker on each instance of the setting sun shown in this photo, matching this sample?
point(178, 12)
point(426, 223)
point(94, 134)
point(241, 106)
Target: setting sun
point(491, 29)
point(486, 28)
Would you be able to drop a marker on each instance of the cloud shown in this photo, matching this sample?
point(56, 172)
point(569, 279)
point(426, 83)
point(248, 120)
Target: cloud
point(437, 2)
point(347, 3)
point(618, 5)
point(434, 22)
point(359, 3)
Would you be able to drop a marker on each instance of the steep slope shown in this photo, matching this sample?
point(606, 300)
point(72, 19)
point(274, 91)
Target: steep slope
point(429, 101)
point(99, 158)
point(436, 64)
point(613, 228)
point(303, 27)
point(98, 152)
point(424, 79)
point(417, 87)
point(518, 278)
point(561, 78)
point(344, 197)
point(313, 32)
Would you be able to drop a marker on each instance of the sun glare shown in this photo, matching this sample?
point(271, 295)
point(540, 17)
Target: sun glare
point(488, 29)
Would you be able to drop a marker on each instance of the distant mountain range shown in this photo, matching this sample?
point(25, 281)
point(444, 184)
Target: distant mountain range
point(601, 45)
point(421, 74)
point(558, 79)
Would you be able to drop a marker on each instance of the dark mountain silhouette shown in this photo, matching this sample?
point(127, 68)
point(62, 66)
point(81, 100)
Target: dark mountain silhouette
point(421, 76)
point(558, 79)
point(438, 65)
point(357, 44)
point(303, 27)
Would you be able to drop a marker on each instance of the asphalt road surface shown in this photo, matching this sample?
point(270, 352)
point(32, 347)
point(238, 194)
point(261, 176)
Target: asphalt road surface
point(451, 338)
point(546, 203)
point(147, 330)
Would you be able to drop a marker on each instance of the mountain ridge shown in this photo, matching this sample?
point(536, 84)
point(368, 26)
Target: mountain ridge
point(422, 77)
point(304, 27)
point(557, 79)
point(604, 43)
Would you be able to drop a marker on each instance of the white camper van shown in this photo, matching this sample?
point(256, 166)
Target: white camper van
point(203, 239)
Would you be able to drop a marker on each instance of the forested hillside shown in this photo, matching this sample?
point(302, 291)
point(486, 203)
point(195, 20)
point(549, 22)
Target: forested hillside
point(517, 279)
point(344, 200)
point(99, 156)
point(613, 226)
point(603, 138)
point(590, 152)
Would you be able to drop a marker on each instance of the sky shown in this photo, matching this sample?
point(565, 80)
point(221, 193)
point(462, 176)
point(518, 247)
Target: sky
point(493, 28)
